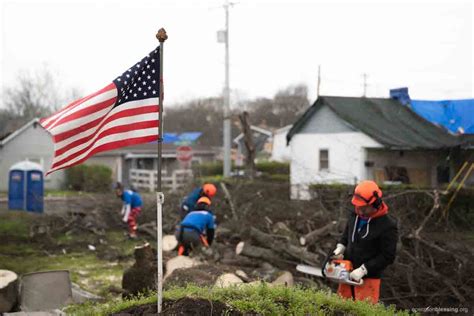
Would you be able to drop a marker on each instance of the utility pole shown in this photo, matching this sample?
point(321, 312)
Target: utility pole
point(319, 81)
point(227, 161)
point(365, 84)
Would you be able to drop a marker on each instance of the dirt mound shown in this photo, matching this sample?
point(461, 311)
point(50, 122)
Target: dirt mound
point(203, 275)
point(185, 306)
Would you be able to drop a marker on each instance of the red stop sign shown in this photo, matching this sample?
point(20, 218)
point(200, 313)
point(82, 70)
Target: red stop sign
point(184, 153)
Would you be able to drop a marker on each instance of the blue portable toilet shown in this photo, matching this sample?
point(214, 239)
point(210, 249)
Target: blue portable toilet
point(26, 187)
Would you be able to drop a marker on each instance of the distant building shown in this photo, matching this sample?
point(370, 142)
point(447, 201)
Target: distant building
point(262, 139)
point(345, 140)
point(30, 142)
point(281, 151)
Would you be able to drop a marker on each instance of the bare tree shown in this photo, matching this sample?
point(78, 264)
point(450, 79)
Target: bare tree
point(34, 95)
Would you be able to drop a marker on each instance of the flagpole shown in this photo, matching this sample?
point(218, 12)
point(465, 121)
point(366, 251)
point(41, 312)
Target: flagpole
point(160, 198)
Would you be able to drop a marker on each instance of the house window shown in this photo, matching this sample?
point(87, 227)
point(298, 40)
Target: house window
point(145, 163)
point(323, 159)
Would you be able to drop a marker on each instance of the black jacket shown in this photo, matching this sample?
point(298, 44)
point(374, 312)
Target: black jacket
point(375, 245)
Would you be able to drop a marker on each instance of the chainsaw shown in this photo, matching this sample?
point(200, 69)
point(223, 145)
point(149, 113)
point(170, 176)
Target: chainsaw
point(334, 270)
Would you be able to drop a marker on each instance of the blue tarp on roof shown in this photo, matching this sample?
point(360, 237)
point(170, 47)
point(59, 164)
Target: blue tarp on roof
point(455, 115)
point(172, 138)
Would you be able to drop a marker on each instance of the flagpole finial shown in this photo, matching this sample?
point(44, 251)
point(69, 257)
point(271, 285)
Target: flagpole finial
point(161, 35)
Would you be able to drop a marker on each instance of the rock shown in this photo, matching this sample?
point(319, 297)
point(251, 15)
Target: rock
point(286, 279)
point(179, 262)
point(227, 279)
point(8, 290)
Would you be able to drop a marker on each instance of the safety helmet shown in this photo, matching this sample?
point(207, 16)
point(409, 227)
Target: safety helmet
point(204, 199)
point(209, 189)
point(366, 193)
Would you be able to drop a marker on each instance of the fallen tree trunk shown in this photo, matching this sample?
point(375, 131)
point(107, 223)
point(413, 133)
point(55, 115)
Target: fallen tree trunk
point(246, 249)
point(298, 253)
point(313, 236)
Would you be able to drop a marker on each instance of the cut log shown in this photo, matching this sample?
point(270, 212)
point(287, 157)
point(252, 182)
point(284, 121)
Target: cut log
point(281, 247)
point(8, 290)
point(241, 274)
point(179, 262)
point(227, 280)
point(246, 249)
point(313, 236)
point(285, 279)
point(169, 242)
point(229, 200)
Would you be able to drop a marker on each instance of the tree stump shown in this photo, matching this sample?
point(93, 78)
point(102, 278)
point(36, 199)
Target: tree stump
point(8, 290)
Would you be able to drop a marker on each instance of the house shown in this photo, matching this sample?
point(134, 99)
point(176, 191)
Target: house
point(346, 139)
point(137, 165)
point(261, 139)
point(30, 142)
point(280, 149)
point(134, 165)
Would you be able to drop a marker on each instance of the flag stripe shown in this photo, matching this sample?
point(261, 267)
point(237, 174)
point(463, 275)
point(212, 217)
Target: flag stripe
point(121, 118)
point(131, 108)
point(59, 127)
point(119, 137)
point(123, 113)
point(53, 118)
point(110, 146)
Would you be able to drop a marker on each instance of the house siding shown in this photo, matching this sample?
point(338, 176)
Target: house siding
point(346, 160)
point(34, 144)
point(325, 121)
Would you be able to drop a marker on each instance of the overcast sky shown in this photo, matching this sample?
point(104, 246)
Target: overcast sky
point(425, 45)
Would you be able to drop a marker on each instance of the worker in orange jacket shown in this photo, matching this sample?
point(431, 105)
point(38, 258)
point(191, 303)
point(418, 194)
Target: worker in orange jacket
point(369, 241)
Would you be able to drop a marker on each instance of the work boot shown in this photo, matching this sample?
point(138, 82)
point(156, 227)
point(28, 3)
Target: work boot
point(132, 236)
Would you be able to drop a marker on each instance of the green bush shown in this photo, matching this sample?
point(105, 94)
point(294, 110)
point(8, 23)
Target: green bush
point(273, 167)
point(90, 178)
point(75, 177)
point(216, 168)
point(209, 169)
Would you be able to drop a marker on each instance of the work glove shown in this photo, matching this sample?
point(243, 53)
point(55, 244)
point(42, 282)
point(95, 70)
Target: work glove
point(125, 219)
point(358, 273)
point(338, 253)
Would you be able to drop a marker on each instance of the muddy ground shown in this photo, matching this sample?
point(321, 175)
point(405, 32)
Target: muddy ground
point(433, 263)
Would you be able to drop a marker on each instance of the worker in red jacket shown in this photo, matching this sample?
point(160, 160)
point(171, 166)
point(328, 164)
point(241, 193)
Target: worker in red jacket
point(369, 241)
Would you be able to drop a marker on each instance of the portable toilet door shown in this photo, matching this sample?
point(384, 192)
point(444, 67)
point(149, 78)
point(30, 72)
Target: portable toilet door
point(34, 191)
point(16, 190)
point(26, 187)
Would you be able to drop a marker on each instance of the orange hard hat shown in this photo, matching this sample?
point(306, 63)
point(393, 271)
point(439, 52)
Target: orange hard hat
point(209, 189)
point(204, 199)
point(366, 193)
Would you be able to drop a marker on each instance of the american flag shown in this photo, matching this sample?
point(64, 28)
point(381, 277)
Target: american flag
point(123, 113)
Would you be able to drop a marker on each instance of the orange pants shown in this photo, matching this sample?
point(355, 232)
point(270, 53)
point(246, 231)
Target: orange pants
point(369, 290)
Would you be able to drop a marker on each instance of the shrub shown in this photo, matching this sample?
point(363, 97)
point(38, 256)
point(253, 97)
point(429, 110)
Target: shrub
point(90, 178)
point(273, 167)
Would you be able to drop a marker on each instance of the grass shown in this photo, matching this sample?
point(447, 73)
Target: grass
point(22, 254)
point(260, 299)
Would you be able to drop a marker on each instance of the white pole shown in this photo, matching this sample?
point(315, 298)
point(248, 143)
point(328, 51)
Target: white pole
point(227, 131)
point(160, 198)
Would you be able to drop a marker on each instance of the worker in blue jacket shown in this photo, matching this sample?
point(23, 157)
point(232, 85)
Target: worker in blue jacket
point(190, 201)
point(132, 207)
point(197, 228)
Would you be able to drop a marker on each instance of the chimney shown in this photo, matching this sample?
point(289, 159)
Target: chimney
point(401, 95)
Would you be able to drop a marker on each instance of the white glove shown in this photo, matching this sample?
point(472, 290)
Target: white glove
point(358, 273)
point(127, 213)
point(123, 210)
point(338, 253)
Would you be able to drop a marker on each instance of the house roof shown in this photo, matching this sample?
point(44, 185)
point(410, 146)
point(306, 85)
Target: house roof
point(455, 115)
point(385, 120)
point(254, 129)
point(18, 131)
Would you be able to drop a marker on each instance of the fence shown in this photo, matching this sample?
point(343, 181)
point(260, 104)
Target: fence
point(147, 179)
